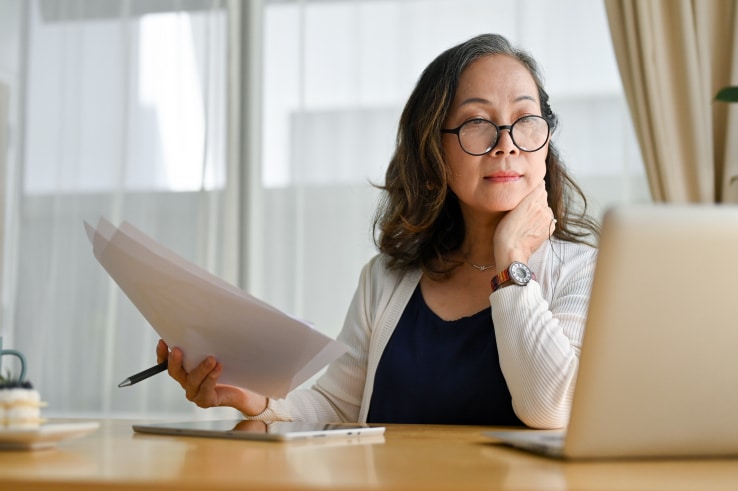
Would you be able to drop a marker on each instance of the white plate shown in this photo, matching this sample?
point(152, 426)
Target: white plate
point(44, 436)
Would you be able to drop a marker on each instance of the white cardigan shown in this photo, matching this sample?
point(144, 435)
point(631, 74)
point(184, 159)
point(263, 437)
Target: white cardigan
point(539, 331)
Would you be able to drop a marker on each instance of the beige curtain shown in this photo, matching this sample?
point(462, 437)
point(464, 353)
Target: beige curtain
point(674, 55)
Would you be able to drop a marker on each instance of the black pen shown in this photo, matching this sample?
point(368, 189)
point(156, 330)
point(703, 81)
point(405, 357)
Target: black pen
point(149, 372)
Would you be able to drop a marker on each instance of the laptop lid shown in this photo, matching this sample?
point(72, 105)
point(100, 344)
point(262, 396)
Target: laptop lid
point(658, 373)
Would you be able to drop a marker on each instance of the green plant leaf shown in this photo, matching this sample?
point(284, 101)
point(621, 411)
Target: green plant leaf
point(727, 94)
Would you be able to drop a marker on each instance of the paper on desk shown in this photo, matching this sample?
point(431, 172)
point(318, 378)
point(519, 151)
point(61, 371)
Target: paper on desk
point(260, 347)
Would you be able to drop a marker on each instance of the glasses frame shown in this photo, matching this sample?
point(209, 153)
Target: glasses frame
point(509, 127)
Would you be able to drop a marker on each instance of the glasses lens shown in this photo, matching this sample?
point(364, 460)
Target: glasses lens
point(529, 133)
point(477, 136)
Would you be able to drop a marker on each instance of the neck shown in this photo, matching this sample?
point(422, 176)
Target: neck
point(478, 245)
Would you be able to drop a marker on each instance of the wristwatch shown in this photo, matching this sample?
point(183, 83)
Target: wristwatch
point(517, 273)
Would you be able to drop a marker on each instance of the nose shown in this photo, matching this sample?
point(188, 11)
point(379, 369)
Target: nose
point(505, 143)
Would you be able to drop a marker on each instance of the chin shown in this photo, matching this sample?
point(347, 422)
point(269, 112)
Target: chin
point(505, 205)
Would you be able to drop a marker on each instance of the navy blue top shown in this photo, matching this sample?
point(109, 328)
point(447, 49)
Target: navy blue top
point(441, 372)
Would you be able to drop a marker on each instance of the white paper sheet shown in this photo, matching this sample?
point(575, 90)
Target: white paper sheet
point(260, 347)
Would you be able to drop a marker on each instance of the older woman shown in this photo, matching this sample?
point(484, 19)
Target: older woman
point(473, 311)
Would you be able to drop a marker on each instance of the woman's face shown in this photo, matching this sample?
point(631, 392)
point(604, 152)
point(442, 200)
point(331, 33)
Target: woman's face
point(500, 89)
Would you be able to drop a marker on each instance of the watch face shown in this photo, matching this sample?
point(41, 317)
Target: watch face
point(520, 273)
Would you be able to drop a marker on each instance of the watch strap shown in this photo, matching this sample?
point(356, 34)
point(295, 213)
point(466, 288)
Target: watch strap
point(500, 279)
point(503, 278)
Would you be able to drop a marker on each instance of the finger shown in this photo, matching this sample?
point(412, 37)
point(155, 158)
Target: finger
point(541, 188)
point(538, 194)
point(162, 351)
point(197, 376)
point(211, 380)
point(536, 200)
point(175, 368)
point(548, 215)
point(207, 394)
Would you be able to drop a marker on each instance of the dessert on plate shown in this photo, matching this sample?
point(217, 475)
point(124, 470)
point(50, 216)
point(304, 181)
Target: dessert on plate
point(20, 403)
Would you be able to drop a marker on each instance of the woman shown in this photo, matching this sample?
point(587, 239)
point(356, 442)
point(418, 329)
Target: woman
point(473, 312)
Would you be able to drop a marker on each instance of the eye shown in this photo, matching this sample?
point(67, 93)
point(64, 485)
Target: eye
point(529, 120)
point(476, 122)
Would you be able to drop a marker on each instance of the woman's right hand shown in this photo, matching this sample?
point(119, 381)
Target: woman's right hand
point(201, 383)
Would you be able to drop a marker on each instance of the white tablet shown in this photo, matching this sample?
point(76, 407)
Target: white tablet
point(260, 430)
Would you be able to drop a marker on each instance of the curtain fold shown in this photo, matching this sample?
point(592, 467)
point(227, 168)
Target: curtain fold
point(674, 55)
point(124, 117)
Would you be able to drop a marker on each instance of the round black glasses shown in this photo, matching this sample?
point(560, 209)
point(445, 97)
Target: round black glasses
point(479, 136)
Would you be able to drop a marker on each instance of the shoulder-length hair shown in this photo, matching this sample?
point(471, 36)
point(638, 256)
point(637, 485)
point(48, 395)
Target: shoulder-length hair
point(418, 222)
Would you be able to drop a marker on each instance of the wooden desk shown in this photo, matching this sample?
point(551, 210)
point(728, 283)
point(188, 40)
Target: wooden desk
point(406, 458)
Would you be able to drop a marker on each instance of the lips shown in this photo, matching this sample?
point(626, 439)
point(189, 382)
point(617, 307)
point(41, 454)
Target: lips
point(503, 176)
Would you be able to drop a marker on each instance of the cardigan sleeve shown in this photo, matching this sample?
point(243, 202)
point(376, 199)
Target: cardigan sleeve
point(539, 330)
point(337, 394)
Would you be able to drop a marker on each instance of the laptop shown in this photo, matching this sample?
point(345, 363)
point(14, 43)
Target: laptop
point(241, 429)
point(658, 372)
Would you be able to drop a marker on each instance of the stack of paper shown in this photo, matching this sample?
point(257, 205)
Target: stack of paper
point(261, 348)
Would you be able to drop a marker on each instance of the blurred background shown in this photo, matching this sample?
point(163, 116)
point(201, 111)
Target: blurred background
point(244, 136)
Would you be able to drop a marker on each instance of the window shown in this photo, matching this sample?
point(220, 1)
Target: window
point(118, 108)
point(122, 114)
point(336, 77)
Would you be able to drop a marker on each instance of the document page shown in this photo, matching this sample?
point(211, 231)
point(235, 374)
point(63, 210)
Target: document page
point(261, 348)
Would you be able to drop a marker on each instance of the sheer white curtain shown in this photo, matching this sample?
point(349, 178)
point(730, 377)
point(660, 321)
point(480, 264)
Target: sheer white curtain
point(121, 113)
point(336, 76)
point(97, 129)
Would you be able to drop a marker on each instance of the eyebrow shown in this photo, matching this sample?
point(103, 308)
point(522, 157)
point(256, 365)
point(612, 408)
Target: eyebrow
point(481, 100)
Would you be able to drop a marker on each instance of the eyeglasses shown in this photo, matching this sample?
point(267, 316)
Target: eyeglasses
point(479, 136)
